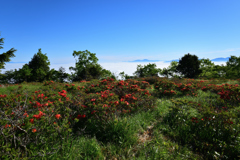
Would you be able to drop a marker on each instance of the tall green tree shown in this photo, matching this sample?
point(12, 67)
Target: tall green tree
point(86, 66)
point(5, 57)
point(84, 58)
point(189, 66)
point(58, 76)
point(233, 65)
point(149, 70)
point(219, 71)
point(40, 67)
point(171, 70)
point(207, 68)
point(165, 72)
point(52, 75)
point(105, 74)
point(23, 74)
point(93, 71)
point(62, 74)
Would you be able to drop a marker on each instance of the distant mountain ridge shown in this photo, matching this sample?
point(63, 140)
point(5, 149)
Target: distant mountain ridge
point(144, 60)
point(220, 59)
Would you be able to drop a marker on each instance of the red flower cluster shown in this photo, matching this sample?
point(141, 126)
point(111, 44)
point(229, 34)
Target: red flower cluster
point(3, 96)
point(195, 119)
point(224, 94)
point(63, 93)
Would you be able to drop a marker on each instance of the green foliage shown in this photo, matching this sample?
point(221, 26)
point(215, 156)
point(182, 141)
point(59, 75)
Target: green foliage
point(58, 76)
point(94, 71)
point(23, 74)
point(40, 67)
point(189, 66)
point(17, 76)
point(84, 58)
point(126, 76)
point(122, 122)
point(207, 68)
point(219, 71)
point(106, 73)
point(233, 65)
point(171, 70)
point(8, 76)
point(146, 71)
point(5, 57)
point(87, 68)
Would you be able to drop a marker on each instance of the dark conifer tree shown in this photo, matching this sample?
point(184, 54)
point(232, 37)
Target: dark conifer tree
point(5, 57)
point(189, 66)
point(40, 67)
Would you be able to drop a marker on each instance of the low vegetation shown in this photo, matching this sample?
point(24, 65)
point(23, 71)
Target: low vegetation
point(144, 118)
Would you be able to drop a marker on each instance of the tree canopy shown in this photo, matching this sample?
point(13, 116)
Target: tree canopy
point(86, 67)
point(171, 70)
point(39, 66)
point(146, 71)
point(233, 65)
point(189, 66)
point(5, 57)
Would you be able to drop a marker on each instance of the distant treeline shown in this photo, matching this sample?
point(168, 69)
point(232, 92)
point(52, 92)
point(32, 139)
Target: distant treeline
point(87, 68)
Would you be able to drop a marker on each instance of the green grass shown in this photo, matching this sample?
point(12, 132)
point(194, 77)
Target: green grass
point(30, 87)
point(145, 135)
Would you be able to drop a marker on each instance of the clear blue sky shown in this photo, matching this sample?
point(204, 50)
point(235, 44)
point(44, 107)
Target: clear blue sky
point(119, 30)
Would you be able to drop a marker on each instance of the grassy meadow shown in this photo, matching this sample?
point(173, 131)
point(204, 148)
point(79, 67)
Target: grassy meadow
point(146, 118)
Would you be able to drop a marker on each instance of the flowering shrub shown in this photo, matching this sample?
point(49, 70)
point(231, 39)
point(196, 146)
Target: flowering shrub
point(49, 112)
point(30, 120)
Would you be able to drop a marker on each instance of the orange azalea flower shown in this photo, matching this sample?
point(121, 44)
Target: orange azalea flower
point(50, 102)
point(7, 125)
point(41, 113)
point(32, 120)
point(25, 114)
point(63, 91)
point(37, 116)
point(34, 130)
point(57, 116)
